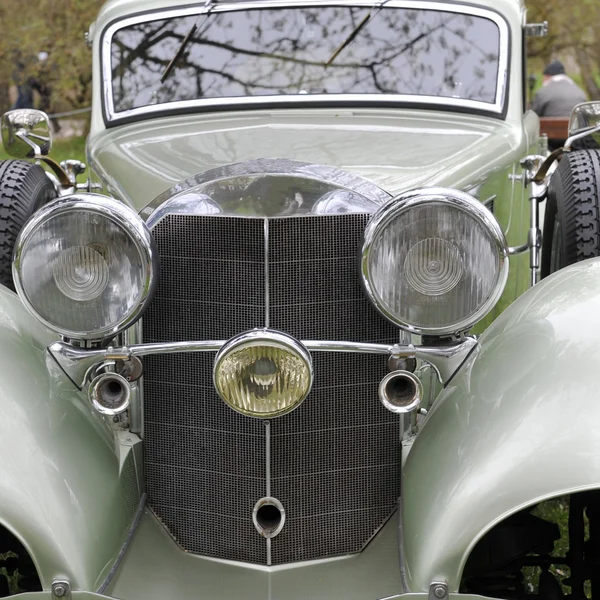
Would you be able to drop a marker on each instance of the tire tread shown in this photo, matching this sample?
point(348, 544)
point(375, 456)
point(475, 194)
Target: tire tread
point(579, 210)
point(24, 187)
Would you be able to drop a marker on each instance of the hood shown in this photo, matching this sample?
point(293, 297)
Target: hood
point(396, 150)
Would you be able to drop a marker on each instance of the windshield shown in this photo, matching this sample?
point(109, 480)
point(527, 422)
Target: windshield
point(280, 51)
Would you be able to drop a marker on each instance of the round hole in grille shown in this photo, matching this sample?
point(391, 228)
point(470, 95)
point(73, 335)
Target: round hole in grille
point(268, 516)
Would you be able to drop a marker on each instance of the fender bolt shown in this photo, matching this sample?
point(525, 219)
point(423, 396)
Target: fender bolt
point(59, 590)
point(439, 591)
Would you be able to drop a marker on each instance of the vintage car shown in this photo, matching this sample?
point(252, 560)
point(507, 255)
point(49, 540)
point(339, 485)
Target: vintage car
point(283, 341)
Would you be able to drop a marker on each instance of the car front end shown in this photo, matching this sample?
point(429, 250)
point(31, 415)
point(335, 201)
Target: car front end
point(245, 336)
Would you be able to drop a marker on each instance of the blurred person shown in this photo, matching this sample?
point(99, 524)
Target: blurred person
point(23, 85)
point(557, 96)
point(40, 82)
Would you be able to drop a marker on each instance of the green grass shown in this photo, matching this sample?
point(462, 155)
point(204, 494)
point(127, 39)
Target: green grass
point(556, 511)
point(12, 577)
point(61, 150)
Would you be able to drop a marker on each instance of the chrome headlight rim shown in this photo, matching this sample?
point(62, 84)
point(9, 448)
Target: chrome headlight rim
point(258, 337)
point(460, 200)
point(120, 214)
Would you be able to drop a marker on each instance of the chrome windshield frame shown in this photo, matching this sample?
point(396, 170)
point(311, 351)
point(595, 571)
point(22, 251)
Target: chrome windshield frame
point(112, 117)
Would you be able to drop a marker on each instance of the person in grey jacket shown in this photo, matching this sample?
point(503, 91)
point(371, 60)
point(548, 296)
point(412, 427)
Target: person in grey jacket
point(557, 96)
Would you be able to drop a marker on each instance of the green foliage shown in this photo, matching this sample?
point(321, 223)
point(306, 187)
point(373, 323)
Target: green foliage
point(62, 150)
point(57, 28)
point(574, 39)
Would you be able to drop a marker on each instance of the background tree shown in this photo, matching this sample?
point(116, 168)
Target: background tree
point(28, 28)
point(574, 38)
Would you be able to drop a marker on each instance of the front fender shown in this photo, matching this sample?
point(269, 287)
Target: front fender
point(66, 487)
point(517, 425)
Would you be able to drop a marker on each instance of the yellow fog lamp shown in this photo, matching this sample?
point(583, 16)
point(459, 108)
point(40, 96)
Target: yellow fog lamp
point(263, 373)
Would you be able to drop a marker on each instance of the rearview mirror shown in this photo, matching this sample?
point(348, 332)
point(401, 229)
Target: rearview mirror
point(26, 133)
point(583, 117)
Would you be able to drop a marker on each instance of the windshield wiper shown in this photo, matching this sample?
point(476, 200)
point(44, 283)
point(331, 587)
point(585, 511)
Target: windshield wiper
point(205, 10)
point(356, 31)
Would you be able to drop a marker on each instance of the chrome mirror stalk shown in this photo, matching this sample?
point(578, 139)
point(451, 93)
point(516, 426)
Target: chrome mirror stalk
point(26, 133)
point(584, 121)
point(581, 134)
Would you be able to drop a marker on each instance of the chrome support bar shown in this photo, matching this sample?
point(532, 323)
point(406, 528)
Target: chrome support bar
point(78, 362)
point(534, 237)
point(537, 193)
point(518, 249)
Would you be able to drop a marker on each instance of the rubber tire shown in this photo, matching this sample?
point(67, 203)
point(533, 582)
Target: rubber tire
point(24, 187)
point(572, 220)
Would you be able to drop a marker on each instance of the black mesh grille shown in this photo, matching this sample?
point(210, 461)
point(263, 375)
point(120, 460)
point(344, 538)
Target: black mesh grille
point(334, 460)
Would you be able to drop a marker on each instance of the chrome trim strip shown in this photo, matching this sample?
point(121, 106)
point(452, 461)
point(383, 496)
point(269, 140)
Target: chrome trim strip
point(445, 359)
point(189, 197)
point(266, 227)
point(366, 348)
point(125, 546)
point(133, 335)
point(268, 481)
point(402, 565)
point(280, 101)
point(268, 457)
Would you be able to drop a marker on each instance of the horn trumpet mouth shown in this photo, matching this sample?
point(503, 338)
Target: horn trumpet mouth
point(110, 394)
point(400, 392)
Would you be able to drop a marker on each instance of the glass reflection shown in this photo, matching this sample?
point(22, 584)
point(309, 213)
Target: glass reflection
point(263, 52)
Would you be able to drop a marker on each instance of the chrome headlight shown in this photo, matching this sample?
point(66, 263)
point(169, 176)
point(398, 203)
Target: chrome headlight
point(434, 261)
point(263, 373)
point(86, 266)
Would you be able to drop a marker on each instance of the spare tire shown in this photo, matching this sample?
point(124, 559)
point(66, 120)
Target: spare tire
point(24, 187)
point(572, 220)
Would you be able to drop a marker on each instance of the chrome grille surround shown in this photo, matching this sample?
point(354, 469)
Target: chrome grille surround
point(334, 462)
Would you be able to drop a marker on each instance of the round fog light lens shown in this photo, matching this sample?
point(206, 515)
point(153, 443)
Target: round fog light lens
point(263, 373)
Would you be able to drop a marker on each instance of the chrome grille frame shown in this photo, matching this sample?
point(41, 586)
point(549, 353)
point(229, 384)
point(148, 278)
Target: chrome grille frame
point(343, 518)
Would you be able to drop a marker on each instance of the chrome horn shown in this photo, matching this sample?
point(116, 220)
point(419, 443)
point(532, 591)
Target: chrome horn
point(401, 392)
point(110, 394)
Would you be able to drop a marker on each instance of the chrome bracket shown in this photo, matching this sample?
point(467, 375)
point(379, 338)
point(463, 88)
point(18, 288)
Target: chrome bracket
point(78, 362)
point(73, 168)
point(530, 165)
point(438, 590)
point(445, 359)
point(61, 588)
point(536, 29)
point(537, 193)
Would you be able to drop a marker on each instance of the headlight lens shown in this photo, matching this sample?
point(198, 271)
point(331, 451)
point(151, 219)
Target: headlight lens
point(263, 373)
point(86, 266)
point(434, 261)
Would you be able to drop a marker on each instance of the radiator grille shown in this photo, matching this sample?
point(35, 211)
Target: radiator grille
point(335, 460)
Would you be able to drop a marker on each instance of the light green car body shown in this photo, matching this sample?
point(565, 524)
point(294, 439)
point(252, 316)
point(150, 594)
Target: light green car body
point(510, 429)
